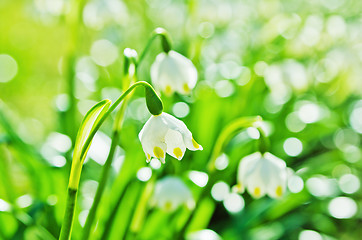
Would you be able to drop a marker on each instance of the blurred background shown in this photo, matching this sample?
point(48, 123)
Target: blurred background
point(298, 64)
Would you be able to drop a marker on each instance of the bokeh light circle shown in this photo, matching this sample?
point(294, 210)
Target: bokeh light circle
point(349, 183)
point(181, 109)
point(293, 146)
point(104, 53)
point(234, 203)
point(8, 68)
point(342, 207)
point(309, 235)
point(220, 190)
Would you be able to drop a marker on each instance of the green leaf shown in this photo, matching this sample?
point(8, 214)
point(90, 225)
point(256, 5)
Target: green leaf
point(87, 129)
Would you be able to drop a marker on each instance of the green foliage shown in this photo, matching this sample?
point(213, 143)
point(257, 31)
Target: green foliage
point(87, 129)
point(297, 64)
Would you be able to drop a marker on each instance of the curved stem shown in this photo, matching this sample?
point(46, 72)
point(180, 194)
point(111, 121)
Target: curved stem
point(166, 43)
point(111, 109)
point(227, 133)
point(263, 141)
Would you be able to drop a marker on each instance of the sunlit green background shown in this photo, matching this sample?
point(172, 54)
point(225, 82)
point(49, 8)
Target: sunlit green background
point(298, 64)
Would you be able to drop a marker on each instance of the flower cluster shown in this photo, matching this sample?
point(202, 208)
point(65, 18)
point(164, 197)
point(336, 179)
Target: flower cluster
point(259, 173)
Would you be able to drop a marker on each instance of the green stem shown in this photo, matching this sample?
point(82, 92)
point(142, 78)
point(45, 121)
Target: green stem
point(263, 141)
point(45, 234)
point(66, 230)
point(101, 187)
point(165, 42)
point(133, 210)
point(227, 133)
point(142, 208)
point(71, 111)
point(109, 223)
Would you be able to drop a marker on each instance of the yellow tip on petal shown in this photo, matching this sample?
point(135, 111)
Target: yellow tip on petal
point(158, 152)
point(186, 88)
point(238, 188)
point(177, 152)
point(168, 90)
point(148, 156)
point(257, 191)
point(168, 206)
point(196, 145)
point(279, 191)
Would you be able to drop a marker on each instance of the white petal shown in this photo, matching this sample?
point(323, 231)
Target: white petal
point(152, 138)
point(173, 72)
point(156, 70)
point(276, 161)
point(246, 164)
point(188, 72)
point(278, 179)
point(277, 187)
point(164, 73)
point(266, 172)
point(254, 180)
point(180, 126)
point(175, 145)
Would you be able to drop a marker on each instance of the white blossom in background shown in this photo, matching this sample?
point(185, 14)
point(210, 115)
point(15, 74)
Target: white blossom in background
point(172, 72)
point(4, 206)
point(170, 193)
point(204, 234)
point(165, 133)
point(262, 174)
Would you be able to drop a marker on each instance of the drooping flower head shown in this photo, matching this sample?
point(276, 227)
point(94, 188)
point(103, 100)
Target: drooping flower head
point(172, 72)
point(170, 193)
point(165, 133)
point(262, 174)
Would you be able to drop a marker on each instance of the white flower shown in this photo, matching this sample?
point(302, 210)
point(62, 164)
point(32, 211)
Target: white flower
point(171, 193)
point(173, 72)
point(262, 174)
point(165, 133)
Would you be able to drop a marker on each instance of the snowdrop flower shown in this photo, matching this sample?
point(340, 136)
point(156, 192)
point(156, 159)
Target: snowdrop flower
point(165, 133)
point(262, 174)
point(171, 193)
point(172, 72)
